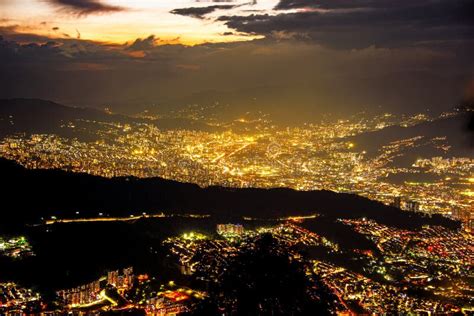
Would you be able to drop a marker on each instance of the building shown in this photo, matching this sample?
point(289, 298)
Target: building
point(412, 206)
point(230, 229)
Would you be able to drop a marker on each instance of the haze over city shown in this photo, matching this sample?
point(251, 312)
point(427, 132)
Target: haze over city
point(295, 59)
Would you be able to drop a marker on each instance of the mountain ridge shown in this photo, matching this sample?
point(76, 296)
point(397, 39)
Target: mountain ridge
point(46, 116)
point(34, 193)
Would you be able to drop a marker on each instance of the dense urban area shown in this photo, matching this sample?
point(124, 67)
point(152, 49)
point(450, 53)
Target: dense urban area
point(260, 154)
point(393, 271)
point(423, 271)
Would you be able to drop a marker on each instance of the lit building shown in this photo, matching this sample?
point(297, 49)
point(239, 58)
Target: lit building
point(413, 206)
point(230, 229)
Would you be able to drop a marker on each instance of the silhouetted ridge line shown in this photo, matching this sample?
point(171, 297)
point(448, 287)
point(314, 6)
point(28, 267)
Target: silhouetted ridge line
point(41, 116)
point(31, 194)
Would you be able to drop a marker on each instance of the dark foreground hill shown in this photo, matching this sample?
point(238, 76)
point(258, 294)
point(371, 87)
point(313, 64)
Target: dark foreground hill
point(28, 195)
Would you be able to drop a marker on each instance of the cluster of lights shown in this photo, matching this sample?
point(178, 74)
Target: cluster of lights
point(15, 247)
point(306, 158)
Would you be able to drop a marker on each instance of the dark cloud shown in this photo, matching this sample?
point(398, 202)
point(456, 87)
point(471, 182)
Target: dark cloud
point(362, 23)
point(200, 12)
point(12, 52)
point(322, 57)
point(292, 78)
point(343, 4)
point(143, 44)
point(85, 7)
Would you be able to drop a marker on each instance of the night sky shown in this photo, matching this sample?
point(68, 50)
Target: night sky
point(295, 59)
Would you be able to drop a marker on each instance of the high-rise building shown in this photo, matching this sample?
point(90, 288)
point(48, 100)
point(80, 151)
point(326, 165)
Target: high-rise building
point(112, 277)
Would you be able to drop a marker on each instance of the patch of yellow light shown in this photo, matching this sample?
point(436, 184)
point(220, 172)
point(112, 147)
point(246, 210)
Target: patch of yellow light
point(193, 236)
point(468, 193)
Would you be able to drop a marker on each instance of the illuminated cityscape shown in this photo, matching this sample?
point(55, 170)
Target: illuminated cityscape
point(236, 157)
point(400, 267)
point(399, 271)
point(15, 247)
point(423, 271)
point(312, 157)
point(15, 299)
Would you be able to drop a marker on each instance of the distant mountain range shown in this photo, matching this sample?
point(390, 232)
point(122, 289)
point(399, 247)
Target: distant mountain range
point(29, 195)
point(452, 131)
point(40, 116)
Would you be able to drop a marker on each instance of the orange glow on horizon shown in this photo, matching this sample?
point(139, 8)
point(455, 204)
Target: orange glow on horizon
point(138, 19)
